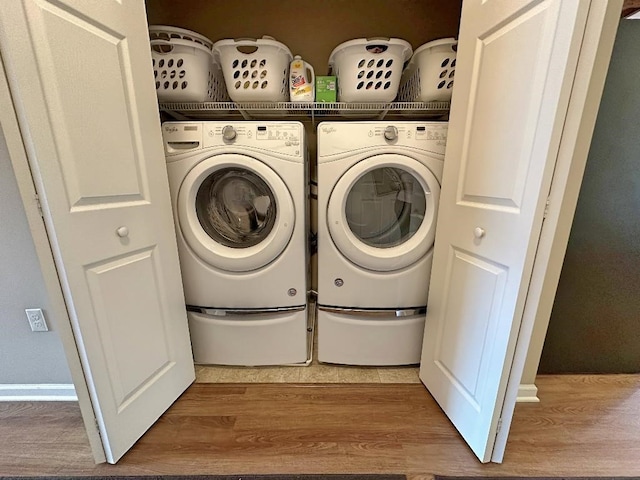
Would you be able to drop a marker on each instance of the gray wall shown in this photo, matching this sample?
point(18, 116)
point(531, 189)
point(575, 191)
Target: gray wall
point(26, 357)
point(595, 324)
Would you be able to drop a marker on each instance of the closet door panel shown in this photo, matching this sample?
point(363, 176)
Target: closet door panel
point(515, 68)
point(82, 81)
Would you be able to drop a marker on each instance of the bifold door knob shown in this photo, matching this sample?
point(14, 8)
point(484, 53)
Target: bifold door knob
point(122, 232)
point(478, 232)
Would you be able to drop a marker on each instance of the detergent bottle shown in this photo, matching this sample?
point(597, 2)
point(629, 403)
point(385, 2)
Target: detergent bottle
point(301, 81)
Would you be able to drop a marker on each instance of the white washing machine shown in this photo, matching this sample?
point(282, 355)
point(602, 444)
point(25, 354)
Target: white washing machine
point(239, 197)
point(378, 193)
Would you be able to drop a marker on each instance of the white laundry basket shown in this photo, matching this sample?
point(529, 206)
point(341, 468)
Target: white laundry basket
point(184, 67)
point(429, 75)
point(369, 69)
point(255, 70)
point(167, 32)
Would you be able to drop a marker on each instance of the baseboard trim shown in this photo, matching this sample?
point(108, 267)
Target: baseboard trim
point(45, 392)
point(527, 393)
point(53, 392)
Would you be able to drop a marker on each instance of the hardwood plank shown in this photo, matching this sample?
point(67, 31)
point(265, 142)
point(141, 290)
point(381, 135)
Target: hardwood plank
point(584, 425)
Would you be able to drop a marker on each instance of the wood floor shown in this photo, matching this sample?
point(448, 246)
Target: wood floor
point(584, 425)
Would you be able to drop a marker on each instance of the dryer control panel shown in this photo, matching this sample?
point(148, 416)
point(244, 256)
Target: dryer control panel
point(343, 137)
point(408, 134)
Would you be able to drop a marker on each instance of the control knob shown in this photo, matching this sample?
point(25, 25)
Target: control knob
point(391, 133)
point(229, 133)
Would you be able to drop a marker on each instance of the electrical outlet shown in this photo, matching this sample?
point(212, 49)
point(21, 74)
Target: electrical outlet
point(36, 320)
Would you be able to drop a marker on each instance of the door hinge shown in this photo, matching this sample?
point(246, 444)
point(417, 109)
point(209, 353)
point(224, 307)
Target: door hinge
point(499, 426)
point(546, 208)
point(39, 205)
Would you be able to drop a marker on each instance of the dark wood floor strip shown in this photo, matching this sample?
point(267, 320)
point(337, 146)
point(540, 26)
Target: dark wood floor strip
point(583, 426)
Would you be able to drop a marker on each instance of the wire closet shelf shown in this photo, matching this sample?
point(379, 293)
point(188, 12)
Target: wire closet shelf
point(249, 110)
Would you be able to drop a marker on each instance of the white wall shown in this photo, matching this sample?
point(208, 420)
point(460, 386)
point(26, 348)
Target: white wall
point(26, 357)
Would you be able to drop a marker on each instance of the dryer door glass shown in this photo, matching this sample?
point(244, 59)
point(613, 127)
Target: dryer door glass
point(236, 207)
point(385, 207)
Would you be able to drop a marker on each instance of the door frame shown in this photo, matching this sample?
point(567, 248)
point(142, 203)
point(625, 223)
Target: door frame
point(575, 142)
point(591, 73)
point(18, 147)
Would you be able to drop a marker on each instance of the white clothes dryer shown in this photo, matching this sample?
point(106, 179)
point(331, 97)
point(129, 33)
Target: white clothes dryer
point(239, 198)
point(378, 194)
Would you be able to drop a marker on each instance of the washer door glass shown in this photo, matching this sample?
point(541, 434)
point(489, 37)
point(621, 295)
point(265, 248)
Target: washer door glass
point(236, 207)
point(381, 213)
point(385, 207)
point(235, 212)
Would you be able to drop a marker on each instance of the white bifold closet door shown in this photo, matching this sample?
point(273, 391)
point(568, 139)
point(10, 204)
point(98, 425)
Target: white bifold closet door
point(81, 78)
point(516, 68)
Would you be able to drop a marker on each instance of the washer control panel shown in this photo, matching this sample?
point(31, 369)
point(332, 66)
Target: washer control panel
point(285, 138)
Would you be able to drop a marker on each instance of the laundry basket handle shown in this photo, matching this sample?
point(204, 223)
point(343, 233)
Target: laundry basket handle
point(254, 42)
point(246, 45)
point(166, 43)
point(226, 46)
point(175, 42)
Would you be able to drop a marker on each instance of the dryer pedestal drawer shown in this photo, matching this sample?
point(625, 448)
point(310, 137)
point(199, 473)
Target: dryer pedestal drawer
point(275, 338)
point(360, 339)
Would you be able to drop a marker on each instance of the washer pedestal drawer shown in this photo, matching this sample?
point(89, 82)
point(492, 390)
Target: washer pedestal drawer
point(274, 338)
point(355, 338)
